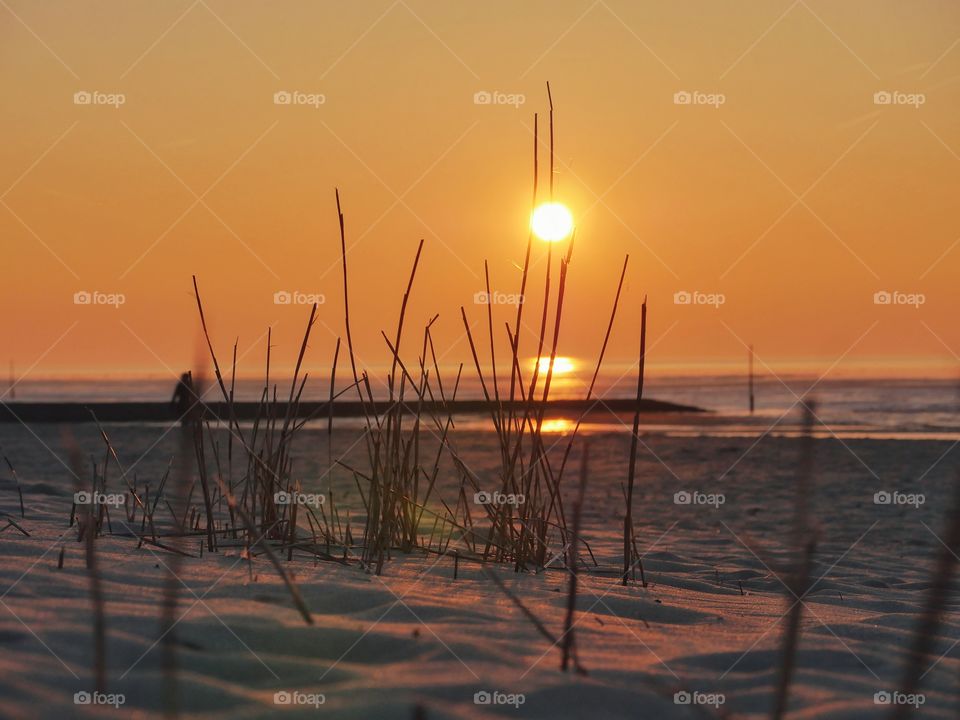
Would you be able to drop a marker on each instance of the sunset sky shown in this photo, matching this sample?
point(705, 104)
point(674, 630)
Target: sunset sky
point(787, 187)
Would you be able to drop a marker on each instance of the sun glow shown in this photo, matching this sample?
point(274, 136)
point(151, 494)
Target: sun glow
point(551, 222)
point(557, 425)
point(561, 365)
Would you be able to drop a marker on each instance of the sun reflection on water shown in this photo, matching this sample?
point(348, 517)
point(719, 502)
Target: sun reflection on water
point(557, 425)
point(561, 365)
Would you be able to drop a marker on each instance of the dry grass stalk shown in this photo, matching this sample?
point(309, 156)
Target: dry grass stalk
point(928, 624)
point(798, 580)
point(569, 643)
point(16, 482)
point(628, 538)
point(88, 536)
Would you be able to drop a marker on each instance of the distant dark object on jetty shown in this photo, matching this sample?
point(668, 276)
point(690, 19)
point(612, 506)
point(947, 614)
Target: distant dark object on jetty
point(77, 412)
point(186, 401)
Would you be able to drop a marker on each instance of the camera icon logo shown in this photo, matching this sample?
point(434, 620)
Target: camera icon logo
point(82, 298)
point(482, 498)
point(682, 297)
point(482, 698)
point(682, 98)
point(882, 97)
point(82, 698)
point(283, 498)
point(882, 498)
point(682, 698)
point(482, 98)
point(282, 297)
point(282, 698)
point(82, 97)
point(682, 498)
point(481, 298)
point(882, 297)
point(82, 498)
point(282, 97)
point(882, 698)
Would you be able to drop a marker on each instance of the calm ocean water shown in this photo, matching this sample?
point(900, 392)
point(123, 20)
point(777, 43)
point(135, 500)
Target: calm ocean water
point(907, 426)
point(897, 407)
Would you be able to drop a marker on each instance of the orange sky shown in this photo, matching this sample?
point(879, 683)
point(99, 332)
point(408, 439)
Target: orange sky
point(796, 199)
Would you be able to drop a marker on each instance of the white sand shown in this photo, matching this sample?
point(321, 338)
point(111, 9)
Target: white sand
point(381, 646)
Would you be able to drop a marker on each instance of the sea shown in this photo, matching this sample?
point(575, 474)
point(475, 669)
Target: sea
point(897, 409)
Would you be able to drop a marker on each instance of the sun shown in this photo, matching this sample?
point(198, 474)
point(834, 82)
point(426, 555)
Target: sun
point(561, 365)
point(551, 222)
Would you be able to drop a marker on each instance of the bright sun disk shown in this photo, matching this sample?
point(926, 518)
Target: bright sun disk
point(551, 222)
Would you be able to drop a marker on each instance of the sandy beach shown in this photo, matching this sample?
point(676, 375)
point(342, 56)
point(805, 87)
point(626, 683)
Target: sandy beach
point(416, 643)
